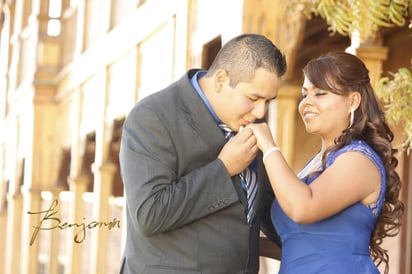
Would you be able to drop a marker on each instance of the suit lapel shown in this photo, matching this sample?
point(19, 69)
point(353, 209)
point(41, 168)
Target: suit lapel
point(199, 118)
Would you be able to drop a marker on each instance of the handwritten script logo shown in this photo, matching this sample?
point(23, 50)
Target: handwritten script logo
point(55, 222)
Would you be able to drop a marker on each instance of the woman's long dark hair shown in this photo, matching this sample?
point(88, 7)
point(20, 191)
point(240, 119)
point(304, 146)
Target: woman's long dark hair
point(343, 73)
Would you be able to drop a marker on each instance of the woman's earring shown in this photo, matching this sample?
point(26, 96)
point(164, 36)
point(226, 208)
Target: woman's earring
point(352, 116)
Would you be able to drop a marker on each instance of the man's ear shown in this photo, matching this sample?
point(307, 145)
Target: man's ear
point(220, 78)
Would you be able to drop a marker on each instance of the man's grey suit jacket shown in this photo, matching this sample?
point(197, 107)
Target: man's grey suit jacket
point(185, 214)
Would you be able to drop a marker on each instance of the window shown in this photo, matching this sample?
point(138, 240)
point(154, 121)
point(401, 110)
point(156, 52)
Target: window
point(53, 25)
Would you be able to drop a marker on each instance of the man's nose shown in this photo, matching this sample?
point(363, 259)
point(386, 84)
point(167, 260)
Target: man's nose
point(259, 110)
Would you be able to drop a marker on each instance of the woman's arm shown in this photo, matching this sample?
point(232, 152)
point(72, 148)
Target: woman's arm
point(351, 178)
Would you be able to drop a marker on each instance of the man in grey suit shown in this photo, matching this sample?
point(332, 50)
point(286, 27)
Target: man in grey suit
point(186, 204)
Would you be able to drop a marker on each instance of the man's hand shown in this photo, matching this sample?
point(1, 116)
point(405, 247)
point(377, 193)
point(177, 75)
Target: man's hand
point(239, 151)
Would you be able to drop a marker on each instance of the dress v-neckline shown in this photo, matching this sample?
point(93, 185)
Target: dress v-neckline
point(315, 164)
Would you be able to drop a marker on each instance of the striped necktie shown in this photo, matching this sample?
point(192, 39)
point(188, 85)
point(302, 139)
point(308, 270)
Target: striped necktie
point(248, 177)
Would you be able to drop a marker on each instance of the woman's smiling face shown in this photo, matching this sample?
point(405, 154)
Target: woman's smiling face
point(324, 113)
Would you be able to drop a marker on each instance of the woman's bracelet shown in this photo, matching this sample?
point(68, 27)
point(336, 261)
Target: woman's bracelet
point(269, 151)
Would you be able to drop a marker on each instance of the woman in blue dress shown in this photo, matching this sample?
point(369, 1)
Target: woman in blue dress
point(333, 215)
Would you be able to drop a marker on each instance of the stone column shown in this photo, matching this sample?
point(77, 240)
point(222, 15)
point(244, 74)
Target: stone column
point(3, 240)
point(103, 183)
point(284, 28)
point(263, 18)
point(14, 216)
point(282, 119)
point(78, 187)
point(29, 253)
point(54, 250)
point(373, 57)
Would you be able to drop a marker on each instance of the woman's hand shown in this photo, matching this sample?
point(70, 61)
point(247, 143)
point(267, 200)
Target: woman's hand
point(263, 135)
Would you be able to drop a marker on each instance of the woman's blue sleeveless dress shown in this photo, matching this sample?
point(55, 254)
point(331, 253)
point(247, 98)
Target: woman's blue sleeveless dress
point(338, 244)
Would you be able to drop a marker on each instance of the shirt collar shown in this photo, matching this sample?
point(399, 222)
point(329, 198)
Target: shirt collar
point(195, 83)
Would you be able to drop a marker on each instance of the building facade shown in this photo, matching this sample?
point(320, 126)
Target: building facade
point(70, 70)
